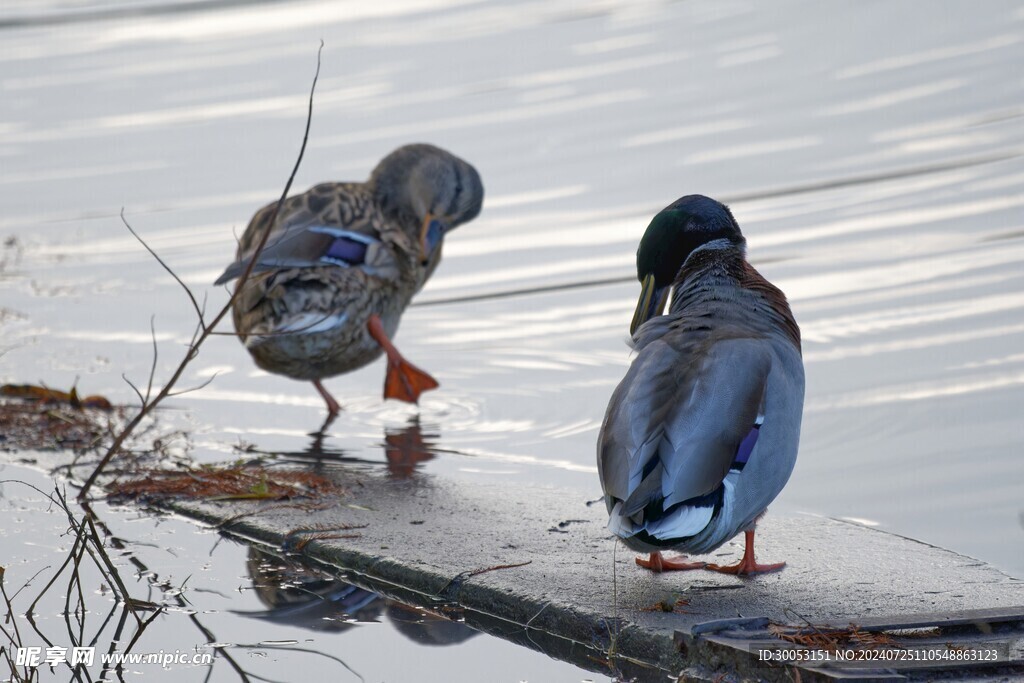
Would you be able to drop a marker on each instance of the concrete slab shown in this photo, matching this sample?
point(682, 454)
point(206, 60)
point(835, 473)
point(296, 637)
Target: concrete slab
point(580, 599)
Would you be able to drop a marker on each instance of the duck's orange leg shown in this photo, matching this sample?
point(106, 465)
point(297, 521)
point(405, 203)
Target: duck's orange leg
point(404, 380)
point(748, 565)
point(658, 563)
point(333, 407)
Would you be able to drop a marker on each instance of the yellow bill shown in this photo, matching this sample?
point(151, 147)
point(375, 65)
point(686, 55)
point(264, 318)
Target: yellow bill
point(651, 303)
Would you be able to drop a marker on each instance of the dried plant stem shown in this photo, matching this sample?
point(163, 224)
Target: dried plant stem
point(16, 638)
point(204, 329)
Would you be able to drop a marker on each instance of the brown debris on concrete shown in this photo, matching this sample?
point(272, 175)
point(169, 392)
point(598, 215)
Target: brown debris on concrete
point(44, 426)
point(45, 395)
point(225, 483)
point(832, 639)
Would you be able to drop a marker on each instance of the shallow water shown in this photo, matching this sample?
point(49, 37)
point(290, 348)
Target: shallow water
point(870, 152)
point(268, 617)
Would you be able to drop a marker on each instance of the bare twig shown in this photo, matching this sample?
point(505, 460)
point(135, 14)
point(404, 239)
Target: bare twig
point(197, 387)
point(10, 611)
point(477, 572)
point(79, 539)
point(113, 575)
point(163, 264)
point(142, 399)
point(193, 349)
point(456, 582)
point(290, 648)
point(27, 583)
point(152, 368)
point(141, 628)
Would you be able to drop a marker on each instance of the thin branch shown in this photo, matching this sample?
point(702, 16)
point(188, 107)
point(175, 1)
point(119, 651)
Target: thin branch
point(193, 350)
point(29, 582)
point(115, 577)
point(152, 367)
point(217, 651)
point(191, 297)
point(289, 648)
point(478, 572)
point(79, 539)
point(114, 641)
point(142, 399)
point(142, 627)
point(74, 581)
point(10, 612)
point(195, 388)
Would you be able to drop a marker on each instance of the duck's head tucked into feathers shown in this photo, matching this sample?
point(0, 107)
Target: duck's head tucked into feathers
point(426, 187)
point(677, 231)
point(702, 433)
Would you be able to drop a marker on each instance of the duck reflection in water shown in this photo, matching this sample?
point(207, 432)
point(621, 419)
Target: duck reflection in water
point(302, 596)
point(405, 449)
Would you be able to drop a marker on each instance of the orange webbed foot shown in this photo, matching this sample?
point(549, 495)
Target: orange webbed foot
point(659, 563)
point(748, 565)
point(405, 381)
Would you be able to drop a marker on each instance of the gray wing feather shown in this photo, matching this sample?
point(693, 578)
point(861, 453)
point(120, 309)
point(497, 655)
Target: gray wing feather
point(633, 424)
point(687, 404)
point(290, 245)
point(704, 433)
point(302, 239)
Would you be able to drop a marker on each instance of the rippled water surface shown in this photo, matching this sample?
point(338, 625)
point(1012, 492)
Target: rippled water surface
point(871, 152)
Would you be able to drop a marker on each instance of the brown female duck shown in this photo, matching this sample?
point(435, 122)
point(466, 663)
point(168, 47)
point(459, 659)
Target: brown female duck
point(342, 262)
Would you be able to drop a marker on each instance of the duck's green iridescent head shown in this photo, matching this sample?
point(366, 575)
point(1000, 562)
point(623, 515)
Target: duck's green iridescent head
point(680, 228)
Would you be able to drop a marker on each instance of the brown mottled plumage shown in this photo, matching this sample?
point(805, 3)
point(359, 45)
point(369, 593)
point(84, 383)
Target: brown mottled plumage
point(342, 262)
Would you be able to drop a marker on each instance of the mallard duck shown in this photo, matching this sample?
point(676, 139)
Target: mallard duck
point(702, 432)
point(342, 262)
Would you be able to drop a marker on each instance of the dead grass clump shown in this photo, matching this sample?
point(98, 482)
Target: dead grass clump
point(666, 606)
point(225, 483)
point(47, 419)
point(45, 395)
point(42, 426)
point(833, 639)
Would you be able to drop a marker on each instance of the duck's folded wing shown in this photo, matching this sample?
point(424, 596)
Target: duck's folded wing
point(675, 422)
point(704, 434)
point(304, 240)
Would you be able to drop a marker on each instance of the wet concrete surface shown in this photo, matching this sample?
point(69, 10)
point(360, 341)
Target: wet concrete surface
point(422, 540)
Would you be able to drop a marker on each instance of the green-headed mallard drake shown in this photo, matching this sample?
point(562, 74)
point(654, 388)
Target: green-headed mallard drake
point(702, 432)
point(342, 262)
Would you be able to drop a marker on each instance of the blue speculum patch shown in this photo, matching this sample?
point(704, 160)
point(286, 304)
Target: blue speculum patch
point(348, 250)
point(435, 231)
point(745, 448)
